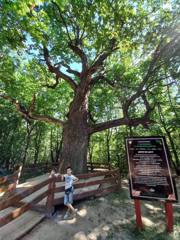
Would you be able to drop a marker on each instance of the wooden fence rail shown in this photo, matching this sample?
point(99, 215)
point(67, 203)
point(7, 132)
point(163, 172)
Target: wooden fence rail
point(109, 182)
point(95, 165)
point(16, 197)
point(48, 166)
point(100, 183)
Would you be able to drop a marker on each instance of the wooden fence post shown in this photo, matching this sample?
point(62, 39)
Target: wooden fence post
point(91, 166)
point(15, 179)
point(119, 180)
point(50, 197)
point(19, 174)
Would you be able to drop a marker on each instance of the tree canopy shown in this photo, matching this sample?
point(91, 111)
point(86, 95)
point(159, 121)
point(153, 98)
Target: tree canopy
point(91, 65)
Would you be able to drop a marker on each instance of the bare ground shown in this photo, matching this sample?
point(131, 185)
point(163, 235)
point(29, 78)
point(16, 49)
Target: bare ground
point(109, 218)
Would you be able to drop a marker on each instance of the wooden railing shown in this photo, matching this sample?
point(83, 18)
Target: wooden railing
point(106, 177)
point(102, 183)
point(15, 200)
point(46, 167)
point(8, 183)
point(96, 165)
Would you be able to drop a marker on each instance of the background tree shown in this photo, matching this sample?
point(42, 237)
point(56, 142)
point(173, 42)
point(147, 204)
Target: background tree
point(70, 62)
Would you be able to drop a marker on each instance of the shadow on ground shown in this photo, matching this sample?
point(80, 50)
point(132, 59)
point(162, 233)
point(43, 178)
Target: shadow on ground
point(108, 218)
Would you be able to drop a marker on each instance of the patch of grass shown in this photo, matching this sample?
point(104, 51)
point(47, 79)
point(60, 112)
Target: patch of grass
point(110, 236)
point(152, 233)
point(121, 196)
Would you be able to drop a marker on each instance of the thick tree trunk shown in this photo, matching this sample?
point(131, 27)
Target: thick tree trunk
point(75, 147)
point(76, 134)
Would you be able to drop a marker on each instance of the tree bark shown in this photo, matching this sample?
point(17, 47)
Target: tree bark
point(75, 147)
point(76, 134)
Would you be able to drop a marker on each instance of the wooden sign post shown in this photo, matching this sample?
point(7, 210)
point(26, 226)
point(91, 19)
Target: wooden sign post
point(169, 216)
point(150, 175)
point(137, 205)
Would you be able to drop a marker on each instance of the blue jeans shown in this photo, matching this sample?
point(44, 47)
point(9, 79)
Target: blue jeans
point(68, 198)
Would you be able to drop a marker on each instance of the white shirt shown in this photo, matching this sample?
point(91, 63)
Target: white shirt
point(69, 179)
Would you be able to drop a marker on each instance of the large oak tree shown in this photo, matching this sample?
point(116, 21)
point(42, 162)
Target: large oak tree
point(120, 45)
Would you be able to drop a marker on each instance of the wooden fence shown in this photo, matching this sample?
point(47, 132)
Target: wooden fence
point(8, 183)
point(48, 166)
point(94, 166)
point(16, 199)
point(90, 184)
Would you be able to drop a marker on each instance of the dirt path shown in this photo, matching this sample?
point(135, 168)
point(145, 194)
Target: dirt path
point(108, 218)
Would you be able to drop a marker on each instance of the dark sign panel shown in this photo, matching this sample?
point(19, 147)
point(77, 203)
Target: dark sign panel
point(149, 170)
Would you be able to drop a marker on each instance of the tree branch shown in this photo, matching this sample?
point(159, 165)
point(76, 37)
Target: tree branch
point(32, 105)
point(151, 70)
point(73, 44)
point(56, 71)
point(53, 86)
point(62, 18)
point(77, 50)
point(144, 120)
point(28, 115)
point(45, 118)
point(96, 79)
point(103, 56)
point(121, 121)
point(70, 70)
